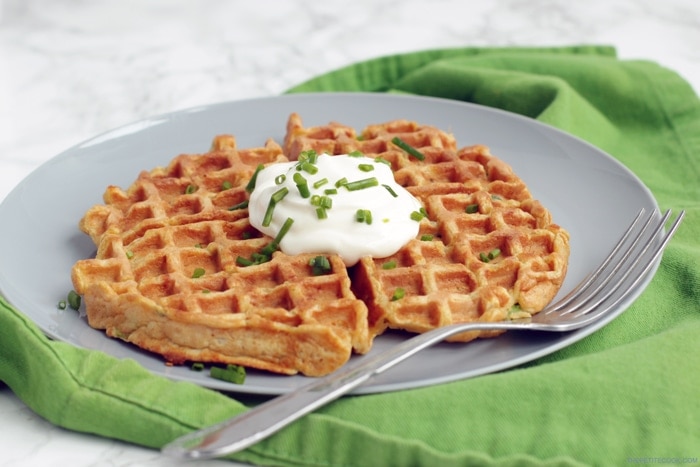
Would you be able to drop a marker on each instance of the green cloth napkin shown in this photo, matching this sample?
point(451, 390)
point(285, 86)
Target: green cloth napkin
point(629, 392)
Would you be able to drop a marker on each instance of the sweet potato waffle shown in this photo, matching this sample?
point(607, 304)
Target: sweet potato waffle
point(166, 276)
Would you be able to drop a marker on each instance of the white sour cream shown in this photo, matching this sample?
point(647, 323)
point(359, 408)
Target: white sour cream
point(339, 232)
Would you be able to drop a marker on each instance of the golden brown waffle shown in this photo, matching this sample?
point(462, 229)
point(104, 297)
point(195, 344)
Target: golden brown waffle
point(476, 208)
point(174, 224)
point(166, 276)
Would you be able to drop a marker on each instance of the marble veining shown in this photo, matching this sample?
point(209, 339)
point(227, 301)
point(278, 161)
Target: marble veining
point(74, 69)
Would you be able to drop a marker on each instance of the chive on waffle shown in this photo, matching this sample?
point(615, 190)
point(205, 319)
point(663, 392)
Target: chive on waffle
point(180, 271)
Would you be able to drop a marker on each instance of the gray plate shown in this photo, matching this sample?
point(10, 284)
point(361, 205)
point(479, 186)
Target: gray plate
point(588, 192)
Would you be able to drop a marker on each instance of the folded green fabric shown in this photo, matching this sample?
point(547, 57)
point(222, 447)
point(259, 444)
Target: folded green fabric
point(628, 391)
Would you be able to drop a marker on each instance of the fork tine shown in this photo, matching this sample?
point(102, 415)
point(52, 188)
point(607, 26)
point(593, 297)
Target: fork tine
point(584, 285)
point(637, 259)
point(642, 262)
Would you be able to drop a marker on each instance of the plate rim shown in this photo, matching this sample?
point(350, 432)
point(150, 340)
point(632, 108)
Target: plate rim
point(145, 123)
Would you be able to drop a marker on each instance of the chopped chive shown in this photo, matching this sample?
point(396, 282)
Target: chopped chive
point(366, 167)
point(382, 160)
point(232, 373)
point(302, 185)
point(426, 237)
point(62, 305)
point(326, 202)
point(484, 257)
point(496, 198)
point(190, 189)
point(389, 264)
point(276, 197)
point(280, 179)
point(320, 183)
point(197, 366)
point(283, 231)
point(471, 208)
point(330, 191)
point(321, 213)
point(355, 153)
point(241, 261)
point(391, 190)
point(129, 254)
point(309, 155)
point(73, 300)
point(417, 216)
point(226, 185)
point(206, 291)
point(198, 245)
point(320, 265)
point(251, 183)
point(496, 252)
point(242, 205)
point(408, 148)
point(399, 293)
point(341, 182)
point(362, 184)
point(197, 273)
point(315, 200)
point(309, 168)
point(363, 215)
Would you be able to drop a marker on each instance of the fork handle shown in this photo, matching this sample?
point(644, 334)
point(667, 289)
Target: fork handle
point(266, 419)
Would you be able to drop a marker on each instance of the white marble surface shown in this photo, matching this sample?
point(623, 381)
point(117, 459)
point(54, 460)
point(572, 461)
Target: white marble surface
point(70, 69)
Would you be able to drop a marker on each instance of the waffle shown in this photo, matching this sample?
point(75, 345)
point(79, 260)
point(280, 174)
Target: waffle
point(486, 251)
point(175, 224)
point(166, 276)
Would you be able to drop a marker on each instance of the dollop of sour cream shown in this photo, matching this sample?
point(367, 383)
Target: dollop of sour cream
point(351, 206)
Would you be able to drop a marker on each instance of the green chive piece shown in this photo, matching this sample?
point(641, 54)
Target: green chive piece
point(197, 273)
point(197, 366)
point(382, 160)
point(226, 185)
point(484, 257)
point(315, 200)
point(362, 184)
point(62, 305)
point(417, 216)
point(389, 264)
point(426, 237)
point(471, 208)
point(73, 300)
point(399, 293)
point(330, 191)
point(241, 205)
point(251, 183)
point(276, 197)
point(355, 153)
point(326, 202)
point(408, 148)
point(206, 291)
point(363, 215)
point(495, 253)
point(309, 155)
point(496, 198)
point(320, 183)
point(321, 213)
point(232, 373)
point(341, 182)
point(309, 168)
point(366, 167)
point(241, 261)
point(302, 185)
point(190, 189)
point(391, 191)
point(283, 231)
point(320, 265)
point(280, 179)
point(129, 254)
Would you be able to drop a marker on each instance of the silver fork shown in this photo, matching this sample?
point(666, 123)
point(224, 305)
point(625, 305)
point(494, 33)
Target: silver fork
point(595, 297)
